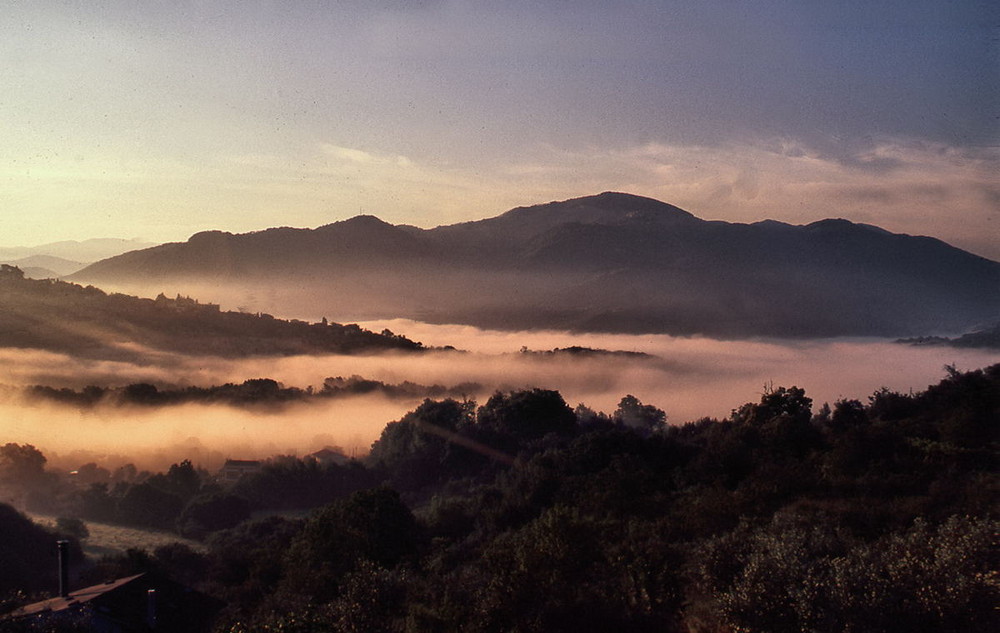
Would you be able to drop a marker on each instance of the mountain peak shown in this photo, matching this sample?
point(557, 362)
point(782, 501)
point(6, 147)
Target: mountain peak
point(830, 224)
point(841, 225)
point(362, 220)
point(618, 199)
point(610, 207)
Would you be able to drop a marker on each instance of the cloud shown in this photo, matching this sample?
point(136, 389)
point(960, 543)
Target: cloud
point(339, 156)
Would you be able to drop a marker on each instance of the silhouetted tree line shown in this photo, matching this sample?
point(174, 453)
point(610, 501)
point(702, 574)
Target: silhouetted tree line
point(525, 515)
point(191, 502)
point(576, 351)
point(252, 392)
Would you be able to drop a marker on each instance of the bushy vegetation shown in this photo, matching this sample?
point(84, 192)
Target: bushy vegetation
point(525, 515)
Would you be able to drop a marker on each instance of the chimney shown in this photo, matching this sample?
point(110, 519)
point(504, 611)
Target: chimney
point(151, 608)
point(63, 568)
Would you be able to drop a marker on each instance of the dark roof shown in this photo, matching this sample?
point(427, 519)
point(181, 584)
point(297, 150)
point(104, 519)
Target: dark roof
point(241, 462)
point(74, 599)
point(123, 605)
point(325, 453)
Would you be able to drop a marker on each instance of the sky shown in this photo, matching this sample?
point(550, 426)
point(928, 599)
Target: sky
point(156, 120)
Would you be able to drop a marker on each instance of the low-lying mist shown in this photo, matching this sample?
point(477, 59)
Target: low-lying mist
point(689, 378)
point(155, 437)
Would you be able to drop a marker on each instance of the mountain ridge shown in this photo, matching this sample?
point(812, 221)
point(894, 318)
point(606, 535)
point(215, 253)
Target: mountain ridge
point(561, 261)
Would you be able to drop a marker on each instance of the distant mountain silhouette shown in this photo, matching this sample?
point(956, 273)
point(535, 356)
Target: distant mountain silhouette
point(87, 322)
point(86, 251)
point(610, 262)
point(986, 338)
point(45, 266)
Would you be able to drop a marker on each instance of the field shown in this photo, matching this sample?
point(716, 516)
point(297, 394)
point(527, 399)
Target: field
point(108, 540)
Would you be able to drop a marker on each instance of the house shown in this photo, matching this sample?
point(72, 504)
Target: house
point(330, 455)
point(139, 603)
point(234, 469)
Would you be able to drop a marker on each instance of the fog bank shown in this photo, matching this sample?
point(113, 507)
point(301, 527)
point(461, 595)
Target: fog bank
point(689, 378)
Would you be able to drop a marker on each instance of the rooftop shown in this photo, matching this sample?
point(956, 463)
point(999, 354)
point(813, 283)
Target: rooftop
point(75, 598)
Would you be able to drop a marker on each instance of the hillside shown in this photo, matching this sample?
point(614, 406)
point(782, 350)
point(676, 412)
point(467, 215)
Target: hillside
point(86, 321)
point(611, 262)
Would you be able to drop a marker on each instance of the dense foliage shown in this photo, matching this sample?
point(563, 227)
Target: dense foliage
point(525, 515)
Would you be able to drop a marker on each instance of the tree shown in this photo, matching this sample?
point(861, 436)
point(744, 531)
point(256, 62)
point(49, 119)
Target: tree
point(373, 525)
point(249, 559)
point(526, 415)
point(790, 402)
point(888, 405)
point(565, 571)
point(212, 512)
point(425, 446)
point(848, 414)
point(21, 463)
point(799, 574)
point(147, 505)
point(783, 421)
point(91, 473)
point(645, 417)
point(589, 419)
point(73, 527)
point(258, 389)
point(181, 480)
point(141, 393)
point(96, 504)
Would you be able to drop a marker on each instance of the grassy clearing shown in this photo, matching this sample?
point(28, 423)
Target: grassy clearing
point(106, 539)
